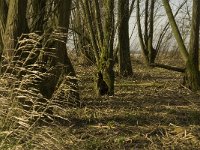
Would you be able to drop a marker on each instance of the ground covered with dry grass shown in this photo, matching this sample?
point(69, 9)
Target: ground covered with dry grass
point(150, 110)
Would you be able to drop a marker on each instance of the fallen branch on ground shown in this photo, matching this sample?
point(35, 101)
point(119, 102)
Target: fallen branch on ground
point(172, 68)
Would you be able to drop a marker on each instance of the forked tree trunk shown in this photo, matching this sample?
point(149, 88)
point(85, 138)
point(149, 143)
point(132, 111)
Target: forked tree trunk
point(146, 42)
point(142, 41)
point(102, 39)
point(106, 60)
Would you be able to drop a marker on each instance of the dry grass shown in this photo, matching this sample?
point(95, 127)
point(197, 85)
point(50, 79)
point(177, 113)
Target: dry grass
point(150, 110)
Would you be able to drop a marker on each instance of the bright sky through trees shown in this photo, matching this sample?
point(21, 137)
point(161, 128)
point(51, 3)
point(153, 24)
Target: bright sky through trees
point(182, 19)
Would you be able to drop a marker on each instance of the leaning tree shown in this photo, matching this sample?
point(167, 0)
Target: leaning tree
point(17, 47)
point(191, 56)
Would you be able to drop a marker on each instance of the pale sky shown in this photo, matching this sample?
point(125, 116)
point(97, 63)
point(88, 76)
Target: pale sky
point(160, 21)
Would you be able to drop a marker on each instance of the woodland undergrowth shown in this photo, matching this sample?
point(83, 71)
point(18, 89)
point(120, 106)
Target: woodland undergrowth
point(150, 110)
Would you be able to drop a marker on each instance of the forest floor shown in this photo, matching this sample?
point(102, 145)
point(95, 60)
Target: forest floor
point(150, 110)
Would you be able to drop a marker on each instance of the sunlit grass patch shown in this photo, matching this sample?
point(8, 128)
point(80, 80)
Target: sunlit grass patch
point(148, 111)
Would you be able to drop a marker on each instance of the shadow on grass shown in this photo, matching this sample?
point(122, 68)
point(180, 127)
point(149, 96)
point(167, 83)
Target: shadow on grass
point(183, 118)
point(131, 102)
point(142, 112)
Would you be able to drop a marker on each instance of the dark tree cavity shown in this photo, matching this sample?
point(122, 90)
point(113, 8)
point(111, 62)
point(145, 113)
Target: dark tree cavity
point(101, 85)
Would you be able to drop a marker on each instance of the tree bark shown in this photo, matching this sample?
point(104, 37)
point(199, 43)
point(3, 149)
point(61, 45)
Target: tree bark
point(142, 41)
point(192, 65)
point(151, 50)
point(125, 67)
point(16, 24)
point(38, 15)
point(102, 42)
point(3, 16)
point(65, 67)
point(146, 42)
point(175, 30)
point(107, 62)
point(192, 75)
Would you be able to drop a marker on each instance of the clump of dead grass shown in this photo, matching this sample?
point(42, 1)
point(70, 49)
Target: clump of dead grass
point(25, 114)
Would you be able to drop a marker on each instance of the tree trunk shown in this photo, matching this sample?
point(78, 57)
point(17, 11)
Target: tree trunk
point(1, 48)
point(64, 11)
point(102, 42)
point(82, 41)
point(107, 62)
point(142, 41)
point(192, 66)
point(38, 15)
point(151, 50)
point(175, 30)
point(192, 75)
point(3, 16)
point(125, 67)
point(146, 43)
point(15, 26)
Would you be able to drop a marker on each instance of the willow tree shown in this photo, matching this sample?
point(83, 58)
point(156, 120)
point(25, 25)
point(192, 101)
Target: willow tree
point(125, 67)
point(3, 18)
point(101, 32)
point(38, 15)
point(191, 58)
point(63, 69)
point(81, 35)
point(1, 46)
point(146, 38)
point(14, 24)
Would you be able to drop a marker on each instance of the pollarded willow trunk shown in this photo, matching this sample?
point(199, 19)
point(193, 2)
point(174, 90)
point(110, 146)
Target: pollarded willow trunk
point(109, 76)
point(107, 59)
point(63, 64)
point(101, 33)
